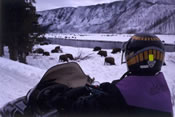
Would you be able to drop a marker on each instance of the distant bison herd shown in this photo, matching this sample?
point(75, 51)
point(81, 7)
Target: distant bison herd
point(103, 53)
point(57, 49)
point(68, 57)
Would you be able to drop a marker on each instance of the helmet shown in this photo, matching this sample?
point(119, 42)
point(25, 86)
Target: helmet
point(144, 54)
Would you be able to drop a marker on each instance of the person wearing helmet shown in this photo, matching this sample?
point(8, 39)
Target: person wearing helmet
point(141, 92)
point(145, 86)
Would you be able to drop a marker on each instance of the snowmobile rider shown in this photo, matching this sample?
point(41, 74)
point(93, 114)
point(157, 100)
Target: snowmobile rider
point(142, 91)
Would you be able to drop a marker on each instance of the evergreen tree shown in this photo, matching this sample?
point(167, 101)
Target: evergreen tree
point(1, 41)
point(29, 31)
point(9, 25)
point(20, 27)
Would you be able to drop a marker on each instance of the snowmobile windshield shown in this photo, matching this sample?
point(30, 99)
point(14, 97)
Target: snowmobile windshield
point(69, 74)
point(57, 79)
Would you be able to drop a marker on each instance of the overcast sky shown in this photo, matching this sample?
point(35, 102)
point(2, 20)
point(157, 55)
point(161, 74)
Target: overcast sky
point(51, 4)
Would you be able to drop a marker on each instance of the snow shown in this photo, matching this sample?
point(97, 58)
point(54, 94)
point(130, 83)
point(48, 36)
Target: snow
point(170, 39)
point(17, 78)
point(127, 16)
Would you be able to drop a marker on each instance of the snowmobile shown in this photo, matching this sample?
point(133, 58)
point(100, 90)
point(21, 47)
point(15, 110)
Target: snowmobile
point(69, 75)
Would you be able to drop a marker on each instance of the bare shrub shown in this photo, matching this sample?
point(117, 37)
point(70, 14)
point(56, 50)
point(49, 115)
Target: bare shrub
point(81, 56)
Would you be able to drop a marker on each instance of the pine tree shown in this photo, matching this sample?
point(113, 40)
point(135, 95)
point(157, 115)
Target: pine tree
point(20, 27)
point(1, 41)
point(29, 31)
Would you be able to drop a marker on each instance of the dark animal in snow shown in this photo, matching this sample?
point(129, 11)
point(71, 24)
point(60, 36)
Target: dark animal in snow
point(63, 58)
point(109, 60)
point(102, 53)
point(97, 48)
point(115, 50)
point(54, 51)
point(38, 50)
point(70, 56)
point(46, 54)
point(57, 48)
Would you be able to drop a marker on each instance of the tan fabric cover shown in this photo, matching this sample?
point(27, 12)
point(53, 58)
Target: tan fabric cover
point(69, 74)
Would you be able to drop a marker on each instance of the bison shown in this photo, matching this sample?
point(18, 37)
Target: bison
point(57, 48)
point(70, 56)
point(102, 53)
point(39, 51)
point(109, 60)
point(46, 54)
point(97, 48)
point(115, 50)
point(63, 58)
point(54, 51)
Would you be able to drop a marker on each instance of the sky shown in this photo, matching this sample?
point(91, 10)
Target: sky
point(51, 4)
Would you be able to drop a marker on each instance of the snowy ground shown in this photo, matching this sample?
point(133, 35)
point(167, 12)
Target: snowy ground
point(16, 78)
point(170, 39)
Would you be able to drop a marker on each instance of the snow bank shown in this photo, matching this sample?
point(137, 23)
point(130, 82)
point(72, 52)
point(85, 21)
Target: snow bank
point(16, 79)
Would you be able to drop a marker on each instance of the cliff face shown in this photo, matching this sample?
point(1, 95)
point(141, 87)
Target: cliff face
point(129, 16)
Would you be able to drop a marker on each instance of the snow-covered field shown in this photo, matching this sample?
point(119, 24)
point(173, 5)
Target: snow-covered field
point(16, 78)
point(105, 37)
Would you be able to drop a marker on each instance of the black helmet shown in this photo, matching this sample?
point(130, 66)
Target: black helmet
point(144, 54)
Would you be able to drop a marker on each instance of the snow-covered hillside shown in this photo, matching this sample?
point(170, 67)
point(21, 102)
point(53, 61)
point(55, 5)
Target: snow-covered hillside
point(16, 78)
point(128, 16)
